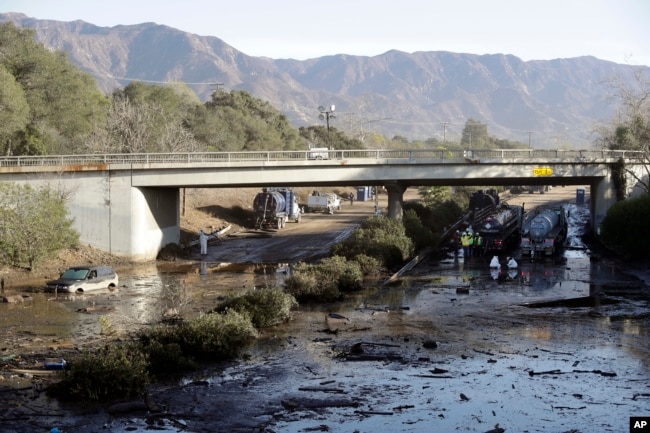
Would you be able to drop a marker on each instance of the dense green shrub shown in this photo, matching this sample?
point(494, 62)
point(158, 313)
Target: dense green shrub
point(346, 273)
point(625, 227)
point(379, 237)
point(209, 336)
point(305, 285)
point(370, 266)
point(265, 307)
point(325, 281)
point(421, 236)
point(115, 371)
point(166, 359)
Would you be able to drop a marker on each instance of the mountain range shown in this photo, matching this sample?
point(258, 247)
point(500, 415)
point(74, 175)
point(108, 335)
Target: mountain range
point(545, 103)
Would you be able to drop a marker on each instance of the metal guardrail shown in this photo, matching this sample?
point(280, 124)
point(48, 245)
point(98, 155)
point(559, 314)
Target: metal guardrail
point(412, 156)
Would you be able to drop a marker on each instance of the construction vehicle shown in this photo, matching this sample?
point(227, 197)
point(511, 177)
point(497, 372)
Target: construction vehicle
point(323, 202)
point(274, 207)
point(498, 223)
point(544, 231)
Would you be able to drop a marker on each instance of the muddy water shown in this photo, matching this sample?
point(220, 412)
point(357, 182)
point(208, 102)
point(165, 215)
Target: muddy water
point(496, 361)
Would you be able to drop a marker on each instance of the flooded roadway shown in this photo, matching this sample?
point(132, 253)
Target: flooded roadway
point(448, 348)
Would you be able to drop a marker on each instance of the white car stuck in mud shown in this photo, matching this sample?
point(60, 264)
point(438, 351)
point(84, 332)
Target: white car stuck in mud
point(80, 279)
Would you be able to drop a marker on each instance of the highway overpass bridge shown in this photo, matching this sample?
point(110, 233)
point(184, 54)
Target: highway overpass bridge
point(129, 204)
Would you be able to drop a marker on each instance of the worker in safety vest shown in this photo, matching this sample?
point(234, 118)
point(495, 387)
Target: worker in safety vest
point(478, 245)
point(471, 244)
point(464, 242)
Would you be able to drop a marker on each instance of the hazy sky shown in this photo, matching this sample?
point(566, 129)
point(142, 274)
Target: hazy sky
point(616, 30)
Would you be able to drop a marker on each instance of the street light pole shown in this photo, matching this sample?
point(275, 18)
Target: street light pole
point(327, 114)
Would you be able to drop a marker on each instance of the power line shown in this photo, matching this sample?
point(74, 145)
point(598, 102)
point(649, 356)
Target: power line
point(158, 82)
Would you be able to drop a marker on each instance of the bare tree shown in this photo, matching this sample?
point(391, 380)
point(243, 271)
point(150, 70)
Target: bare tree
point(630, 128)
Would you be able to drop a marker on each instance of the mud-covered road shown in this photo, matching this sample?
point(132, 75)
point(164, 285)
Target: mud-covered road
point(446, 348)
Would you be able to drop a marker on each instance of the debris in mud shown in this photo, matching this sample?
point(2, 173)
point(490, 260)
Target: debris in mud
point(556, 372)
point(322, 389)
point(15, 299)
point(372, 412)
point(581, 302)
point(367, 351)
point(313, 403)
point(430, 344)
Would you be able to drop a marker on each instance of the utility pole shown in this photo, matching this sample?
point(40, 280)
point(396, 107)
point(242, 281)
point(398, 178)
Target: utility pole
point(530, 147)
point(327, 114)
point(444, 132)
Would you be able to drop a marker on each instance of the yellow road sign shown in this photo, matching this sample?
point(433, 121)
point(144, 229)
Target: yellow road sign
point(542, 171)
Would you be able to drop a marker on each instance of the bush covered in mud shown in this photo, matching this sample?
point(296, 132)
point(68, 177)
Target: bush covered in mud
point(325, 281)
point(112, 372)
point(122, 370)
point(208, 337)
point(380, 237)
point(264, 307)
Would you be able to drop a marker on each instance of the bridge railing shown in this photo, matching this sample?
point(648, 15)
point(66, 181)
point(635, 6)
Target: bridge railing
point(410, 155)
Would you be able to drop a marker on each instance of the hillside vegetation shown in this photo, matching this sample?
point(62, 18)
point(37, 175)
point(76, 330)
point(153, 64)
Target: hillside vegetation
point(555, 103)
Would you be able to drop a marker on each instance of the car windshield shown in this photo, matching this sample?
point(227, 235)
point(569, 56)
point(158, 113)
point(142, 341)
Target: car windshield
point(75, 274)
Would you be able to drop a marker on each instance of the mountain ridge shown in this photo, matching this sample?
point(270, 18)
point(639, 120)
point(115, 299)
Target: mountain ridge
point(548, 103)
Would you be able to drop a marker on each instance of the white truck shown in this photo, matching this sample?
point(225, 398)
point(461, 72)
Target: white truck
point(319, 153)
point(323, 202)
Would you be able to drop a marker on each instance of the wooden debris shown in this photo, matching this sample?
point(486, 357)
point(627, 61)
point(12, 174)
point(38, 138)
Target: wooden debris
point(556, 372)
point(372, 412)
point(294, 404)
point(322, 389)
point(580, 302)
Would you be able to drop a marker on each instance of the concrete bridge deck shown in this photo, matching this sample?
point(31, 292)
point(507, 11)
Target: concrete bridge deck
point(128, 204)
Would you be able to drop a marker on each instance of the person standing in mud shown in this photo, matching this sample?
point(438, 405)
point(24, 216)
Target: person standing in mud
point(478, 245)
point(203, 240)
point(351, 197)
point(464, 242)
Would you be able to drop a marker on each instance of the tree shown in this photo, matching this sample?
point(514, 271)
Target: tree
point(630, 129)
point(318, 136)
point(14, 111)
point(236, 120)
point(475, 135)
point(65, 105)
point(33, 224)
point(432, 195)
point(149, 118)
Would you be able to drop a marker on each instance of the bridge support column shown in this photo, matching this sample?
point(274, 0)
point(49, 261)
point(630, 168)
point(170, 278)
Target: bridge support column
point(602, 197)
point(395, 200)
